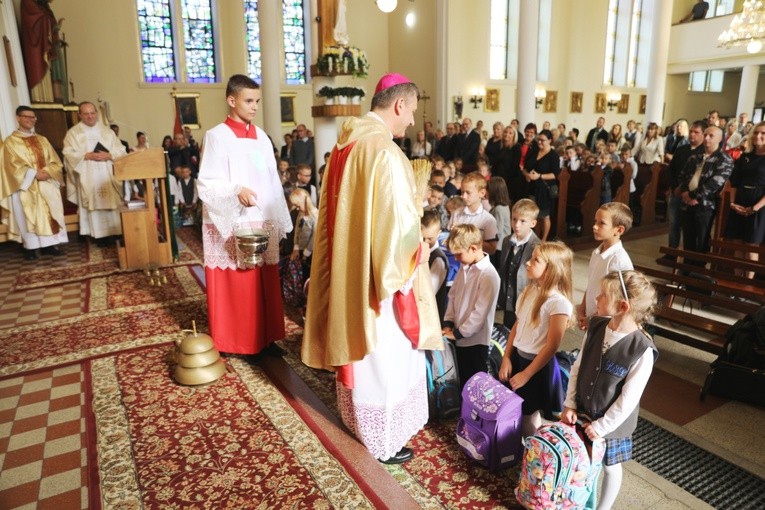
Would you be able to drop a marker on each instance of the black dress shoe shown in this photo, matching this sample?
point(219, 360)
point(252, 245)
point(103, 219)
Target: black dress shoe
point(31, 255)
point(274, 350)
point(103, 242)
point(52, 250)
point(404, 454)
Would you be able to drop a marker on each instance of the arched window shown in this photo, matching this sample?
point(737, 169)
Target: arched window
point(252, 25)
point(293, 21)
point(161, 54)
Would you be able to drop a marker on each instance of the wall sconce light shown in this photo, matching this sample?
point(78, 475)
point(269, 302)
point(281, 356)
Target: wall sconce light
point(539, 97)
point(613, 100)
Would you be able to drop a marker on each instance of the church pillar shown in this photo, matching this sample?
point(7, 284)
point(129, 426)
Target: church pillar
point(527, 61)
point(443, 101)
point(270, 19)
point(748, 89)
point(657, 73)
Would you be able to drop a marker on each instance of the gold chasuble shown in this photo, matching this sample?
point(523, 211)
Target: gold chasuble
point(41, 201)
point(372, 251)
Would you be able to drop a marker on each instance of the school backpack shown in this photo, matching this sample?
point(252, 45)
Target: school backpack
point(291, 274)
point(566, 360)
point(557, 472)
point(497, 345)
point(453, 266)
point(443, 380)
point(489, 429)
point(739, 372)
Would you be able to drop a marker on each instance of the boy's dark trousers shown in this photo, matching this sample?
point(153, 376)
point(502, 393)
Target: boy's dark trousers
point(470, 361)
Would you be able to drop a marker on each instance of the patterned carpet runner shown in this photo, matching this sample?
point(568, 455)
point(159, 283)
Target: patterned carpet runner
point(235, 443)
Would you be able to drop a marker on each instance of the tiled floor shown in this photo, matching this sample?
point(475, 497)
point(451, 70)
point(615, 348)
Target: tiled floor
point(43, 439)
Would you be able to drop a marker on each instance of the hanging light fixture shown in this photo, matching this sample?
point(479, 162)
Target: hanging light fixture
point(386, 5)
point(746, 28)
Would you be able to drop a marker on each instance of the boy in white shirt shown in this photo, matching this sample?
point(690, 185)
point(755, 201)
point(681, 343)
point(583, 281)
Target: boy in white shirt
point(430, 227)
point(612, 221)
point(472, 300)
point(473, 193)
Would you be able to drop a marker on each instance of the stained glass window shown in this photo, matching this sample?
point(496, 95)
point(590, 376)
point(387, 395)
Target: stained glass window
point(294, 41)
point(155, 27)
point(628, 39)
point(253, 38)
point(198, 41)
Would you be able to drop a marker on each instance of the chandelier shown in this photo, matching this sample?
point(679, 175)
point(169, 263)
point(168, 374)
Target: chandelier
point(747, 28)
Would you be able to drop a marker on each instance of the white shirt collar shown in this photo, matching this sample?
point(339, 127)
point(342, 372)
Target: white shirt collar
point(610, 250)
point(525, 240)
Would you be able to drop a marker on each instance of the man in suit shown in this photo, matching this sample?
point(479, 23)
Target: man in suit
point(597, 133)
point(467, 144)
point(445, 147)
point(302, 152)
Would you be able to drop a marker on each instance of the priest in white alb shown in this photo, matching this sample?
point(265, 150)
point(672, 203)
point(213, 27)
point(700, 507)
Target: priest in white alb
point(30, 189)
point(90, 149)
point(371, 309)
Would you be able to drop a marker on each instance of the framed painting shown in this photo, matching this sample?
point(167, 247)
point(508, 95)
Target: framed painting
point(491, 104)
point(551, 101)
point(576, 102)
point(642, 103)
point(187, 106)
point(287, 100)
point(600, 102)
point(624, 104)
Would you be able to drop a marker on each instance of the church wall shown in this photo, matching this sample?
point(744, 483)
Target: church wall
point(695, 105)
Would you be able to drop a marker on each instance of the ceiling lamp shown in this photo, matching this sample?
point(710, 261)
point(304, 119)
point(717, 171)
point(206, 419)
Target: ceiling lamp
point(746, 28)
point(386, 5)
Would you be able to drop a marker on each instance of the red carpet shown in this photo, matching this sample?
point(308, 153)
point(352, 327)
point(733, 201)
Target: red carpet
point(235, 443)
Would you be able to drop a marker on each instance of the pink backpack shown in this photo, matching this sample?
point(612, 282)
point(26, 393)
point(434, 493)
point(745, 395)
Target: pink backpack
point(557, 471)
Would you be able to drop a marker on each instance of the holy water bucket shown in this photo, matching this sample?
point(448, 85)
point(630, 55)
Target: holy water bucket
point(251, 239)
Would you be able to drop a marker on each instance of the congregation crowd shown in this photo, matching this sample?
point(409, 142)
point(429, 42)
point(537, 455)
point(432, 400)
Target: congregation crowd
point(482, 224)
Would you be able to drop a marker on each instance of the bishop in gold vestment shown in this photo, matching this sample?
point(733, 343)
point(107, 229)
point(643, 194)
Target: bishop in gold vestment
point(367, 261)
point(30, 187)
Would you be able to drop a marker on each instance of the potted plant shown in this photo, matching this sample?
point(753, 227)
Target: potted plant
point(328, 93)
point(343, 93)
point(356, 94)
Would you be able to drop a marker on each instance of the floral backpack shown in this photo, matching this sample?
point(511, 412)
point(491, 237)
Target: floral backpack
point(557, 471)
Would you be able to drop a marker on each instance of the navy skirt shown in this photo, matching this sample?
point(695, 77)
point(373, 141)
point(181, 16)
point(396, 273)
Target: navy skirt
point(544, 391)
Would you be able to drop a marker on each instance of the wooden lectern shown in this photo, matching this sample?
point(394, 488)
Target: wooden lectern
point(142, 244)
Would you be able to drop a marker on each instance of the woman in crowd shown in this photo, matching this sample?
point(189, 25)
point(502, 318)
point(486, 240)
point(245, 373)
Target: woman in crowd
point(616, 136)
point(167, 143)
point(733, 137)
point(508, 167)
point(421, 147)
point(651, 146)
point(494, 144)
point(143, 142)
point(747, 218)
point(543, 172)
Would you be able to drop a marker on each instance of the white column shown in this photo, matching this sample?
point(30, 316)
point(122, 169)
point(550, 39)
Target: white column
point(324, 128)
point(748, 89)
point(527, 60)
point(442, 100)
point(657, 74)
point(270, 18)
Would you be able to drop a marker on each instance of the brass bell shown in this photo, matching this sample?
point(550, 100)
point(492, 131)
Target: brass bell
point(198, 361)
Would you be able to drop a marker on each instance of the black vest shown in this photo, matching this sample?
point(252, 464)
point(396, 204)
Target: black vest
point(511, 276)
point(188, 190)
point(443, 290)
point(601, 376)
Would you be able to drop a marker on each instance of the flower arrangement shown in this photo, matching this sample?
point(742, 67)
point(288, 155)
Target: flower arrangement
point(343, 60)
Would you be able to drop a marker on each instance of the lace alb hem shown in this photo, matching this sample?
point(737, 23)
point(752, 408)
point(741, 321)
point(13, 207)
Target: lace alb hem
point(384, 431)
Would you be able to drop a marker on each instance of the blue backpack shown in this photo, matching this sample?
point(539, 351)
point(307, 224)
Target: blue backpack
point(443, 381)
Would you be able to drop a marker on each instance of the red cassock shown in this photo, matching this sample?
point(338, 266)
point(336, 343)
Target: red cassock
point(244, 306)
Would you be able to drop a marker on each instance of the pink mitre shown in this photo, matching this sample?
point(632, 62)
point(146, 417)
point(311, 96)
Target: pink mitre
point(389, 80)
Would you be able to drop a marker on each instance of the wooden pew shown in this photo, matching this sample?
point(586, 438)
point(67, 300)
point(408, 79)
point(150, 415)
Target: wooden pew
point(646, 184)
point(580, 189)
point(662, 191)
point(723, 211)
point(620, 185)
